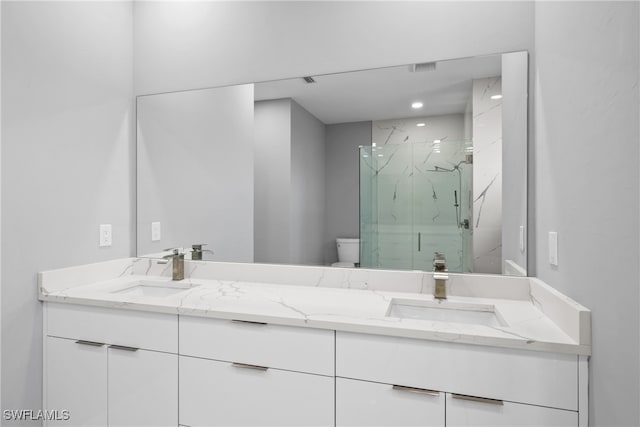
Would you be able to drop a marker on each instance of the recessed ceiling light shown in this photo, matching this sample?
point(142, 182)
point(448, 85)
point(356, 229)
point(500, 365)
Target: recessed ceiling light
point(420, 125)
point(436, 141)
point(417, 105)
point(380, 155)
point(496, 96)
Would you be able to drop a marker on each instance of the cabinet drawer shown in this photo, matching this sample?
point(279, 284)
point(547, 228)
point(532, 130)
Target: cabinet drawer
point(273, 346)
point(363, 403)
point(538, 378)
point(469, 413)
point(214, 393)
point(151, 331)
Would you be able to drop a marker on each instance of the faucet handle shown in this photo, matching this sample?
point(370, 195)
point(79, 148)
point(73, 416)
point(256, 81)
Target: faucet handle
point(174, 252)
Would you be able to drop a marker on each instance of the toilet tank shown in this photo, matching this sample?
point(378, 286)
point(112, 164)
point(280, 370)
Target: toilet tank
point(348, 250)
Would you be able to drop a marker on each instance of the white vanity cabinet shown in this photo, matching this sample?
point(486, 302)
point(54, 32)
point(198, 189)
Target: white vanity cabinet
point(114, 367)
point(111, 367)
point(244, 373)
point(469, 385)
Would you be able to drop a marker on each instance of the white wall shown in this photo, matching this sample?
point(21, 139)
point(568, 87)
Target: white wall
point(181, 45)
point(308, 205)
point(67, 161)
point(342, 183)
point(272, 169)
point(195, 171)
point(587, 183)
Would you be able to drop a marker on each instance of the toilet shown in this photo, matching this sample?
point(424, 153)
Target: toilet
point(348, 252)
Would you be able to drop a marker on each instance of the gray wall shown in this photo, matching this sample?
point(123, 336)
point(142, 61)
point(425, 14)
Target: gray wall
point(272, 169)
point(67, 161)
point(587, 183)
point(342, 183)
point(195, 171)
point(289, 183)
point(307, 186)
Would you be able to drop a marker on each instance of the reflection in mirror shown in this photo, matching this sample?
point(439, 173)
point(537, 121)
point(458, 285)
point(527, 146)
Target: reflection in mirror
point(342, 170)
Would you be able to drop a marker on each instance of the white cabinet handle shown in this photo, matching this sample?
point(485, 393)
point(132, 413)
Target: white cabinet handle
point(122, 347)
point(416, 390)
point(91, 343)
point(246, 366)
point(477, 399)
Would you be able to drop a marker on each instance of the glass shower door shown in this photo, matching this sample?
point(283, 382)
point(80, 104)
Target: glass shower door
point(441, 205)
point(414, 201)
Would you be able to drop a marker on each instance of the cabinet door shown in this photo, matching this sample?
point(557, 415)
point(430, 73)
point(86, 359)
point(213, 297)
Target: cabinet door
point(363, 403)
point(76, 381)
point(143, 388)
point(462, 412)
point(216, 393)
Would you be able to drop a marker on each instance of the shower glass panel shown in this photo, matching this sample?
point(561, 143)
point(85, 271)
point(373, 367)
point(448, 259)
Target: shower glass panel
point(415, 199)
point(368, 215)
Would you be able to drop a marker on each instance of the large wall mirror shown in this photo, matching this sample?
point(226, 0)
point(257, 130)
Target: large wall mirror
point(376, 168)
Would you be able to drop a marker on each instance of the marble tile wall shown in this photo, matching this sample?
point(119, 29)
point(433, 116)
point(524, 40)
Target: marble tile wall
point(487, 176)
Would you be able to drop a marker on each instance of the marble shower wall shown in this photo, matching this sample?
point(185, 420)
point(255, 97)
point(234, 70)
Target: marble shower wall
point(409, 175)
point(487, 176)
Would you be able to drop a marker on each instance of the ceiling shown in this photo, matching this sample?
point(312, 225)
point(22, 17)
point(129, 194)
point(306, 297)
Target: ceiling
point(386, 93)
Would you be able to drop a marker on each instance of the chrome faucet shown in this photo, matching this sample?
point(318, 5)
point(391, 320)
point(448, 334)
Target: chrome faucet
point(177, 264)
point(440, 275)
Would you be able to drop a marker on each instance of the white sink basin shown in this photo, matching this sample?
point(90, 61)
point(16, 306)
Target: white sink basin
point(150, 288)
point(445, 311)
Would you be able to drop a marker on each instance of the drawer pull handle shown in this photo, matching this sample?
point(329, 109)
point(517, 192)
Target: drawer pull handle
point(123, 347)
point(416, 390)
point(246, 366)
point(91, 343)
point(248, 321)
point(478, 399)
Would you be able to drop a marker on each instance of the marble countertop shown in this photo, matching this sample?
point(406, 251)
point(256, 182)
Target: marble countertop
point(532, 315)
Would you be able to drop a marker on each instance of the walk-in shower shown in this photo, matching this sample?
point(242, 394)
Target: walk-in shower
point(415, 199)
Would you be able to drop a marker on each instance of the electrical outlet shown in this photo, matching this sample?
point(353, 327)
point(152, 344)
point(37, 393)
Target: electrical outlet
point(155, 231)
point(105, 235)
point(553, 248)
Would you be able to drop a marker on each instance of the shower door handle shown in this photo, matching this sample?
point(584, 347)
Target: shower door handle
point(419, 241)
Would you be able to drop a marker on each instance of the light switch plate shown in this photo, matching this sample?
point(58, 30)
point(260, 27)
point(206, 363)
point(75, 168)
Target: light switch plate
point(553, 248)
point(106, 237)
point(155, 231)
point(522, 238)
